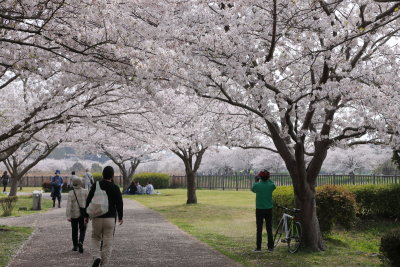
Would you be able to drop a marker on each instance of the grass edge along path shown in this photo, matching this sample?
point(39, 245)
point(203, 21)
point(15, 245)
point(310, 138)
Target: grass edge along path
point(225, 220)
point(11, 239)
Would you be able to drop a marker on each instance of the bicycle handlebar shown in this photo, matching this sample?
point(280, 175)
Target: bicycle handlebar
point(288, 209)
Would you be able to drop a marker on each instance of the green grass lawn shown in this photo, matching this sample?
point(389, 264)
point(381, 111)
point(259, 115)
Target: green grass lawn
point(11, 239)
point(226, 221)
point(26, 202)
point(29, 189)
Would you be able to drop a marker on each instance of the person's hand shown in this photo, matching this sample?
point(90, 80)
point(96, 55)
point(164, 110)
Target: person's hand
point(120, 222)
point(68, 219)
point(86, 220)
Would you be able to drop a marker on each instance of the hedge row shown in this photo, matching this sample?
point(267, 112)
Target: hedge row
point(390, 248)
point(158, 180)
point(377, 200)
point(47, 187)
point(340, 204)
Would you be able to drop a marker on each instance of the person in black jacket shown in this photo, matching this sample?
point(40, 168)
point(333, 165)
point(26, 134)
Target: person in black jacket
point(104, 225)
point(5, 179)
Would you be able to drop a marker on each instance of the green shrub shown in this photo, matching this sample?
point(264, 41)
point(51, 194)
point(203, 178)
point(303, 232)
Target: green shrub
point(97, 176)
point(282, 196)
point(336, 205)
point(377, 200)
point(46, 186)
point(390, 247)
point(7, 204)
point(158, 180)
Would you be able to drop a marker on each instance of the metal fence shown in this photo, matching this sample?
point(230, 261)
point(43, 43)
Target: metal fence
point(244, 181)
point(37, 181)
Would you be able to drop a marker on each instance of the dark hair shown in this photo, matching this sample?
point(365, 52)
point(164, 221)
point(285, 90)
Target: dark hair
point(108, 172)
point(264, 175)
point(73, 172)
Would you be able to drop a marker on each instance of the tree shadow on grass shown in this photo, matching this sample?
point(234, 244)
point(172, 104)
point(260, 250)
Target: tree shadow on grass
point(336, 242)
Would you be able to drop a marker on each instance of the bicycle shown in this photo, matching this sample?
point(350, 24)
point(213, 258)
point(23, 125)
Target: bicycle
point(291, 228)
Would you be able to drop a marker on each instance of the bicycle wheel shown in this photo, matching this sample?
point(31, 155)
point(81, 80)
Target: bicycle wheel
point(294, 239)
point(278, 233)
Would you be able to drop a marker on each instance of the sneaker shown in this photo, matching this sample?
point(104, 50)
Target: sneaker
point(96, 262)
point(80, 246)
point(75, 249)
point(257, 250)
point(270, 250)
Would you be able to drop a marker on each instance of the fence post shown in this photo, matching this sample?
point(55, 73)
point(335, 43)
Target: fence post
point(223, 182)
point(237, 186)
point(334, 179)
point(353, 177)
point(373, 179)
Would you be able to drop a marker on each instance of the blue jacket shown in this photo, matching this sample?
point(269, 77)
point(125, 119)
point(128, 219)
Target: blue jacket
point(57, 181)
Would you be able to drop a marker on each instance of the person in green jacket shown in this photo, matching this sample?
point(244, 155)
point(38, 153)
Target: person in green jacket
point(263, 190)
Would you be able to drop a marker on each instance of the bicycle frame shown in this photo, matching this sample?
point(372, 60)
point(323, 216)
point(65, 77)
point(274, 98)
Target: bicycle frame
point(290, 228)
point(285, 218)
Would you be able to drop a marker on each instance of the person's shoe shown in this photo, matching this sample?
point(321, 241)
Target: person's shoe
point(284, 240)
point(80, 247)
point(270, 250)
point(75, 249)
point(96, 262)
point(257, 250)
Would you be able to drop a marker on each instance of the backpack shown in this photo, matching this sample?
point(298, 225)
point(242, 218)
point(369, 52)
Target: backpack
point(99, 204)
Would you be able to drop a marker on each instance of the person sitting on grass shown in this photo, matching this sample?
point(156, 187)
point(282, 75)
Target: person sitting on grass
point(132, 189)
point(140, 189)
point(149, 188)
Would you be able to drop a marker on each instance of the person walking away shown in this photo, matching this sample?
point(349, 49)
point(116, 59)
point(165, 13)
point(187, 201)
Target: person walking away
point(75, 212)
point(149, 188)
point(5, 179)
point(264, 204)
point(88, 179)
point(57, 183)
point(103, 227)
point(73, 175)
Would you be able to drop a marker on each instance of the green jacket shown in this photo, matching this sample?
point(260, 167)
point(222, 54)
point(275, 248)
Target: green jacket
point(263, 192)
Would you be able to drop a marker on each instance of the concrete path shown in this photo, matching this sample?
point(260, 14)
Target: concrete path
point(144, 239)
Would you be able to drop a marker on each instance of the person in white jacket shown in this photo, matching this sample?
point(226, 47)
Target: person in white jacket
point(149, 188)
point(76, 212)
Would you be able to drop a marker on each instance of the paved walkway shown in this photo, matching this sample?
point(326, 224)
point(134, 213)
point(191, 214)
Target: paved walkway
point(144, 239)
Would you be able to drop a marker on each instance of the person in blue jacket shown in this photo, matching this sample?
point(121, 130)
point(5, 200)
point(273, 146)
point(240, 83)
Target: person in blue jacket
point(57, 183)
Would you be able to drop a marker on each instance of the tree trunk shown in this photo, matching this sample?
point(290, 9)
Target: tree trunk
point(14, 186)
point(126, 181)
point(191, 188)
point(312, 237)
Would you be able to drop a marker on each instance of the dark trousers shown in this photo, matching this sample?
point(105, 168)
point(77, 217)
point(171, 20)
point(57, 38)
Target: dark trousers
point(75, 223)
point(261, 215)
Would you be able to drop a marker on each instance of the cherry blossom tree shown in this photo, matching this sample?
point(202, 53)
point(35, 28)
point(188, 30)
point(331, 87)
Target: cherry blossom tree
point(187, 126)
point(65, 52)
point(312, 75)
point(360, 159)
point(30, 153)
